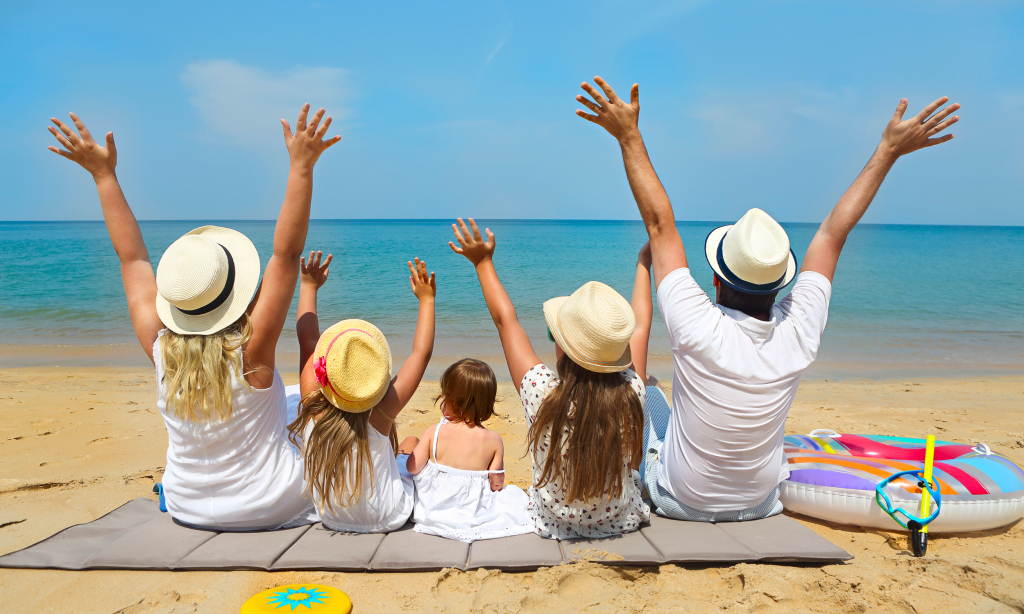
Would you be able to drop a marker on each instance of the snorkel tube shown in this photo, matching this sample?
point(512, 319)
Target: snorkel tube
point(917, 525)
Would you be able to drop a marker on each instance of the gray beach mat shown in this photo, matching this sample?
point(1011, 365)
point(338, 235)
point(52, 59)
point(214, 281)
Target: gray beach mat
point(138, 536)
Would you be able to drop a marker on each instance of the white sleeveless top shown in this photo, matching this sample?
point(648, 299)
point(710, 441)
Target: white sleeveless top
point(387, 507)
point(237, 474)
point(459, 503)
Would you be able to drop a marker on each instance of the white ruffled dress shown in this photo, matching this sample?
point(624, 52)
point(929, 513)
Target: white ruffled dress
point(459, 504)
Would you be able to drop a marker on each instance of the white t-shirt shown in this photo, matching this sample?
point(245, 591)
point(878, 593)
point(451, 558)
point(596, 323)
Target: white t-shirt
point(387, 507)
point(735, 379)
point(550, 514)
point(237, 474)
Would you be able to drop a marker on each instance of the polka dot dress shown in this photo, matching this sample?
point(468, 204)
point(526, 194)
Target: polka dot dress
point(552, 517)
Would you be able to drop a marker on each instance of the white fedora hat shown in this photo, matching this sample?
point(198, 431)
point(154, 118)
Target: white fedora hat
point(753, 255)
point(205, 280)
point(593, 327)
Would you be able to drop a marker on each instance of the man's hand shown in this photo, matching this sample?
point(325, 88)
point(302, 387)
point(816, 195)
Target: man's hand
point(314, 274)
point(472, 244)
point(306, 145)
point(614, 114)
point(904, 136)
point(81, 148)
point(423, 285)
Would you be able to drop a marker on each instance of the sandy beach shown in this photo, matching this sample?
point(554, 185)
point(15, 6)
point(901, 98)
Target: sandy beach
point(76, 443)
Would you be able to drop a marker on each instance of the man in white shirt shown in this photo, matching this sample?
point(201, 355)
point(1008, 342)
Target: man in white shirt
point(717, 454)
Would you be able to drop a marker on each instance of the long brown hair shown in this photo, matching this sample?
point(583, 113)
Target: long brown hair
point(198, 370)
point(470, 388)
point(605, 424)
point(337, 451)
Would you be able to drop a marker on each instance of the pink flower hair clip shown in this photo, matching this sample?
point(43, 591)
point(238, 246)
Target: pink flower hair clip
point(321, 370)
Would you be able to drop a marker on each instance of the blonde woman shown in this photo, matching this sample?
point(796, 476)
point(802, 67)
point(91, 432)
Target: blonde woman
point(210, 327)
point(586, 421)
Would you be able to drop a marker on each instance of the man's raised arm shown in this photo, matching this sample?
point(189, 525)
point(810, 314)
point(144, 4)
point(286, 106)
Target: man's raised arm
point(899, 138)
point(620, 118)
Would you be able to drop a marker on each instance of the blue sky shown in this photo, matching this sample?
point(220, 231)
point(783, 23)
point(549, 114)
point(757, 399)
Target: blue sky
point(468, 108)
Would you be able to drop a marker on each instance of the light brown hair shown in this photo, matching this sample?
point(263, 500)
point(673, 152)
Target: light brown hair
point(337, 450)
point(470, 389)
point(603, 422)
point(198, 369)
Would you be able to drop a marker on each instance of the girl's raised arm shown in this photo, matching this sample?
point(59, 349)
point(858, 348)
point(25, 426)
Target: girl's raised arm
point(312, 276)
point(404, 384)
point(643, 310)
point(519, 352)
point(136, 269)
point(278, 286)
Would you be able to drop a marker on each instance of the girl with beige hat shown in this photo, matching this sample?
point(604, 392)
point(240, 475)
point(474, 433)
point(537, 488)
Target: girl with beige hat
point(583, 481)
point(346, 421)
point(210, 327)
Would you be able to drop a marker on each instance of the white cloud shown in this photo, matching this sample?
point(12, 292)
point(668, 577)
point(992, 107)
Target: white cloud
point(740, 122)
point(247, 102)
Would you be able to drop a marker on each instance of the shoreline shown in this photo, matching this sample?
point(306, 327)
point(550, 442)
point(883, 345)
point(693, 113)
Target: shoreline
point(130, 356)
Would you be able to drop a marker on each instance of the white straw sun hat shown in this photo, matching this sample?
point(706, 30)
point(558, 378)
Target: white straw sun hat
point(353, 365)
point(205, 280)
point(593, 327)
point(753, 255)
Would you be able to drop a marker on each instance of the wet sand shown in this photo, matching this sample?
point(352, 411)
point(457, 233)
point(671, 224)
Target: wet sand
point(77, 442)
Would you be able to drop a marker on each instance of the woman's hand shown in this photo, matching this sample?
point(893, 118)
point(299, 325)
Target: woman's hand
point(615, 115)
point(472, 244)
point(81, 148)
point(306, 145)
point(424, 286)
point(901, 137)
point(314, 275)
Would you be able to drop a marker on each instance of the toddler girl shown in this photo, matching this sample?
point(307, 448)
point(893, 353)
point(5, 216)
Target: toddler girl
point(459, 465)
point(346, 420)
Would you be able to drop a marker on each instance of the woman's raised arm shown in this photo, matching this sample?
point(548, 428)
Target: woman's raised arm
point(519, 353)
point(278, 286)
point(136, 269)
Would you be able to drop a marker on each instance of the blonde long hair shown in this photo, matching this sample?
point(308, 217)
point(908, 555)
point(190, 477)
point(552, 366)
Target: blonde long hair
point(198, 369)
point(337, 449)
point(605, 422)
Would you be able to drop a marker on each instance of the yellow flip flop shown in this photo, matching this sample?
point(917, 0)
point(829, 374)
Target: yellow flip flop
point(299, 598)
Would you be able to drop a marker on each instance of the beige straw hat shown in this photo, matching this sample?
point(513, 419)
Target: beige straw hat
point(593, 327)
point(353, 365)
point(753, 255)
point(205, 280)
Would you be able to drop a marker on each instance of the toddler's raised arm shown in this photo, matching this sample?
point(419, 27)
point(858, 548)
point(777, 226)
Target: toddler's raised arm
point(402, 387)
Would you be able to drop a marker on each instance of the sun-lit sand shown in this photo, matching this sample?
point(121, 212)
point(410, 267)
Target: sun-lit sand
point(76, 443)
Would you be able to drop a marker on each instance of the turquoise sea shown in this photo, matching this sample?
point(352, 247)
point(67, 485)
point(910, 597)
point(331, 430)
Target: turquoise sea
point(921, 300)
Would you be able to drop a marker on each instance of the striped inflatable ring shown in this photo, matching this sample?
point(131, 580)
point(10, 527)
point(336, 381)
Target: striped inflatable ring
point(833, 477)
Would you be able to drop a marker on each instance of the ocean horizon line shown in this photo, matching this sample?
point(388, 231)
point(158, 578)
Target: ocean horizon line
point(524, 220)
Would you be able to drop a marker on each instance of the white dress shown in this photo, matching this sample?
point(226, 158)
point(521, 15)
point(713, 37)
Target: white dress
point(387, 507)
point(238, 474)
point(459, 503)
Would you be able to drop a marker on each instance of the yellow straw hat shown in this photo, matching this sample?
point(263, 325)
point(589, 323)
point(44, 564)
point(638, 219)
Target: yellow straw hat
point(593, 327)
point(353, 365)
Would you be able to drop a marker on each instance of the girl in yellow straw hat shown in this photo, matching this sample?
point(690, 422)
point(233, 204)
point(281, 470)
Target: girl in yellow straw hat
point(211, 327)
point(346, 420)
point(583, 476)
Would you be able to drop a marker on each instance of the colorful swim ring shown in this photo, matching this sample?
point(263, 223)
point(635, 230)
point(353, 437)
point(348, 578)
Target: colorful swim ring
point(833, 476)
